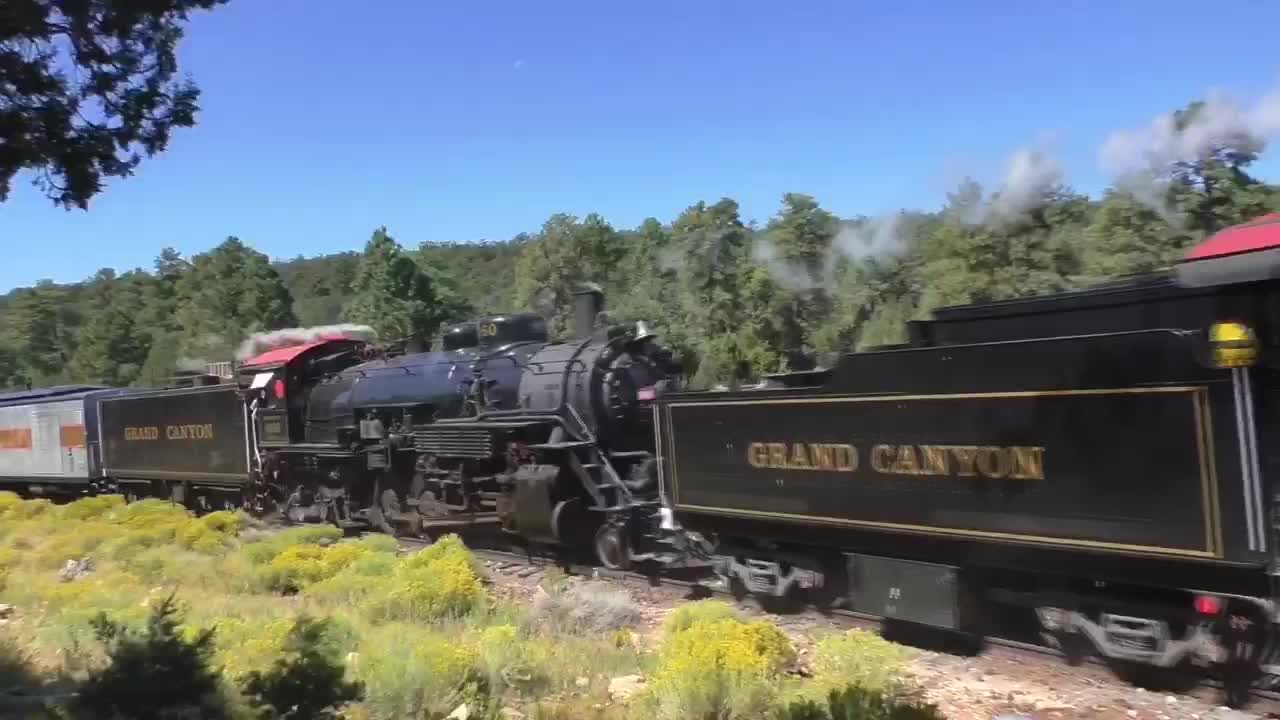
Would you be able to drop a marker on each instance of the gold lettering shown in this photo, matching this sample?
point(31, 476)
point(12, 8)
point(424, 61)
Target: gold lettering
point(1017, 462)
point(906, 464)
point(846, 457)
point(141, 433)
point(935, 460)
point(799, 456)
point(993, 462)
point(1028, 463)
point(821, 454)
point(777, 455)
point(186, 432)
point(965, 457)
point(882, 458)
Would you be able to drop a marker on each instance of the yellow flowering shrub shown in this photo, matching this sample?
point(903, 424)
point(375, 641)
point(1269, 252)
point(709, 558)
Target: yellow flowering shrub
point(264, 551)
point(410, 671)
point(860, 658)
point(722, 668)
point(687, 614)
point(210, 533)
point(9, 502)
point(300, 566)
point(248, 644)
point(436, 583)
point(91, 507)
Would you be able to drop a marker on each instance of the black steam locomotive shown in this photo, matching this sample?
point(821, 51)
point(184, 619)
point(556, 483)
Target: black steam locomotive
point(1101, 457)
point(551, 440)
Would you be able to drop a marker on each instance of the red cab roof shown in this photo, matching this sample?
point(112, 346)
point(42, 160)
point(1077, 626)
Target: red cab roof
point(1258, 234)
point(1248, 252)
point(285, 355)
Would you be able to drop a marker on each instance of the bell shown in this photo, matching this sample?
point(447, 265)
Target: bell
point(642, 331)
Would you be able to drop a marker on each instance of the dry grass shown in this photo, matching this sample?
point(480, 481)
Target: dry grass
point(419, 631)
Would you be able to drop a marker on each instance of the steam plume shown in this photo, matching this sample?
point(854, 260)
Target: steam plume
point(259, 343)
point(1219, 122)
point(1139, 159)
point(1030, 175)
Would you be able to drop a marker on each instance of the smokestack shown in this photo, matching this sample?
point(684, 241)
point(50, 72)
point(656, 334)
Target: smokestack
point(588, 302)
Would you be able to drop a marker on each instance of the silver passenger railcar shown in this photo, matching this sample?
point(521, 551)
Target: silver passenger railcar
point(49, 440)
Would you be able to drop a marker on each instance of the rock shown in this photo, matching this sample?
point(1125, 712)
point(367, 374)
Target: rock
point(6, 611)
point(581, 681)
point(1170, 700)
point(1132, 713)
point(460, 713)
point(75, 569)
point(623, 687)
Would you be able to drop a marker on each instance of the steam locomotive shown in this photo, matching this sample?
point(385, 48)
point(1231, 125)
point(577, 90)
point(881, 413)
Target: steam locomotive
point(1101, 458)
point(553, 441)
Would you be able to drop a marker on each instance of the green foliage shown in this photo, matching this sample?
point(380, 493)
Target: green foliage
point(733, 301)
point(157, 673)
point(859, 658)
point(392, 294)
point(228, 292)
point(554, 263)
point(719, 668)
point(77, 126)
point(685, 616)
point(858, 703)
point(434, 584)
point(308, 682)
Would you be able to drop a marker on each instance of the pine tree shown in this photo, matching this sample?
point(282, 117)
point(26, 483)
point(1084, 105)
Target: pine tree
point(228, 293)
point(392, 294)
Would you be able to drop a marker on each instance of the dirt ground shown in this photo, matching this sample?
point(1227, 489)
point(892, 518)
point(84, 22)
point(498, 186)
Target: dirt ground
point(999, 683)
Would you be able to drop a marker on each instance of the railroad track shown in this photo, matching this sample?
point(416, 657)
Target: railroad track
point(701, 583)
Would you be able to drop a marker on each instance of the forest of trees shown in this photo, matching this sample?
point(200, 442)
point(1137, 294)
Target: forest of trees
point(735, 298)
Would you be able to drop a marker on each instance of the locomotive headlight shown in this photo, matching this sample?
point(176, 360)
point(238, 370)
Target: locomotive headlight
point(1232, 345)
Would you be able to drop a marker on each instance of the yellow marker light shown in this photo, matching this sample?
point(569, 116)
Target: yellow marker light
point(1233, 345)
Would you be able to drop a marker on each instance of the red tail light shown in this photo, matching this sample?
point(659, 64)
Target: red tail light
point(1208, 605)
point(647, 393)
point(278, 388)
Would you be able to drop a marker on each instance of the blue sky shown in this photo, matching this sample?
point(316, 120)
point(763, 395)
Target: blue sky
point(466, 121)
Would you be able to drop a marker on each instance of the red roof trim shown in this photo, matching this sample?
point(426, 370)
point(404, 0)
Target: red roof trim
point(285, 355)
point(1259, 234)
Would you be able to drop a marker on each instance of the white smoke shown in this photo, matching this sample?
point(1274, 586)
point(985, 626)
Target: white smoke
point(1029, 178)
point(790, 275)
point(855, 240)
point(1139, 159)
point(1219, 122)
point(1030, 175)
point(869, 238)
point(259, 343)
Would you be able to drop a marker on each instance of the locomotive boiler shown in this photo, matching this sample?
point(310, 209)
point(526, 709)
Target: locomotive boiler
point(551, 440)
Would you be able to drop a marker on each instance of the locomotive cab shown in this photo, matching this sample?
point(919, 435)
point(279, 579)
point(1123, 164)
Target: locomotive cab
point(276, 385)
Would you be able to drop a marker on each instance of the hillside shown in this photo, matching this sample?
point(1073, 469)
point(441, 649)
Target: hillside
point(735, 300)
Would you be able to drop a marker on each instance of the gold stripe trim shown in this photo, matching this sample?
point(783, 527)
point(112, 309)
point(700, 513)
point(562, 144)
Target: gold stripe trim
point(821, 399)
point(1204, 436)
point(1210, 454)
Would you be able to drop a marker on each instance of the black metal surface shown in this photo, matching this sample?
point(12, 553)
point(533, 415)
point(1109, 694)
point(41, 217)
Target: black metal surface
point(447, 441)
point(499, 330)
point(195, 434)
point(915, 592)
point(1118, 470)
